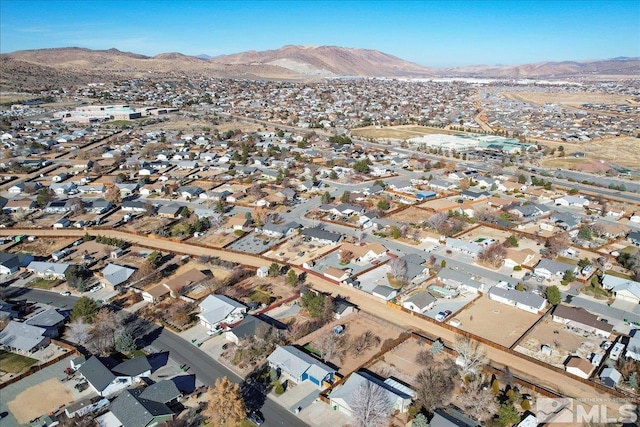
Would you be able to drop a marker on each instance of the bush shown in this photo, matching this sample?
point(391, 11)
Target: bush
point(525, 405)
point(239, 233)
point(278, 389)
point(517, 268)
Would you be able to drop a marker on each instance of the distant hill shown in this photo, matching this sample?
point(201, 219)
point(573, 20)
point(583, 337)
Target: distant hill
point(608, 67)
point(329, 61)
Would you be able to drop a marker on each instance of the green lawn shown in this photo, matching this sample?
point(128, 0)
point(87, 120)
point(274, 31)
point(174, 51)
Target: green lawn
point(41, 283)
point(14, 363)
point(312, 350)
point(618, 274)
point(261, 297)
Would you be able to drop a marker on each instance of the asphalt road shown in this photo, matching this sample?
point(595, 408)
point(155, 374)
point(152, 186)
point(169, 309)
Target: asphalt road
point(207, 370)
point(181, 351)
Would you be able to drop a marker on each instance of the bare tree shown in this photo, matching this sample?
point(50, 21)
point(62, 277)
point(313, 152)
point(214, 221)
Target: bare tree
point(345, 256)
point(364, 342)
point(486, 215)
point(78, 331)
point(370, 406)
point(113, 195)
point(398, 268)
point(434, 387)
point(424, 358)
point(493, 255)
point(557, 243)
point(478, 401)
point(76, 206)
point(436, 221)
point(331, 345)
point(107, 326)
point(471, 356)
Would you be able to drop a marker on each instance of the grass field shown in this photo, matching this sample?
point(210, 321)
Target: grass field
point(14, 363)
point(41, 283)
point(622, 150)
point(397, 132)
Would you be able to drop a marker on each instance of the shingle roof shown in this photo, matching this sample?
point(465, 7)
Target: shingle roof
point(133, 367)
point(98, 375)
point(49, 317)
point(21, 336)
point(163, 391)
point(296, 362)
point(134, 411)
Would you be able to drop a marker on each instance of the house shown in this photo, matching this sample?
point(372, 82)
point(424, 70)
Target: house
point(238, 222)
point(364, 253)
point(114, 275)
point(634, 238)
point(441, 185)
point(460, 245)
point(419, 302)
point(474, 195)
point(132, 410)
point(399, 396)
point(565, 220)
point(572, 201)
point(548, 268)
point(217, 309)
point(262, 272)
point(170, 211)
point(85, 406)
point(610, 377)
point(248, 327)
point(515, 257)
point(578, 366)
point(48, 270)
point(20, 205)
point(164, 391)
point(622, 289)
point(337, 274)
point(451, 417)
point(298, 366)
point(133, 206)
point(579, 318)
point(50, 320)
point(454, 279)
point(61, 188)
point(62, 223)
point(633, 346)
point(279, 230)
point(107, 382)
point(343, 308)
point(10, 263)
point(526, 301)
point(190, 192)
point(387, 293)
point(22, 338)
point(175, 286)
point(99, 206)
point(321, 236)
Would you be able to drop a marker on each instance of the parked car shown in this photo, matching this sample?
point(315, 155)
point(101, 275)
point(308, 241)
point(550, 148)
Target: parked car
point(605, 345)
point(255, 418)
point(65, 293)
point(443, 315)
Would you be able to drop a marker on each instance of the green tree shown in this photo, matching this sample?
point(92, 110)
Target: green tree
point(420, 421)
point(522, 179)
point(326, 198)
point(568, 277)
point(512, 241)
point(495, 387)
point(508, 414)
point(346, 196)
point(333, 175)
point(292, 277)
point(379, 183)
point(553, 295)
point(154, 258)
point(313, 303)
point(437, 347)
point(584, 262)
point(274, 269)
point(85, 308)
point(362, 166)
point(44, 197)
point(585, 233)
point(383, 204)
point(125, 342)
point(443, 264)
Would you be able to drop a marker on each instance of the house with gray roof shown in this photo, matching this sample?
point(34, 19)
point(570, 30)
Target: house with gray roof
point(114, 275)
point(458, 279)
point(48, 270)
point(460, 245)
point(610, 377)
point(548, 268)
point(135, 368)
point(249, 327)
point(107, 382)
point(164, 391)
point(50, 320)
point(399, 396)
point(299, 366)
point(322, 236)
point(526, 301)
point(217, 309)
point(279, 230)
point(419, 302)
point(22, 338)
point(10, 263)
point(387, 293)
point(132, 410)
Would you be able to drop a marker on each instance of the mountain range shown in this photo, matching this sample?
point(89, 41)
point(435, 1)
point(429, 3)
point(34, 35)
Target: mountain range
point(42, 67)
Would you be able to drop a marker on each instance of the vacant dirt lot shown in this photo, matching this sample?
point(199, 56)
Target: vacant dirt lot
point(354, 326)
point(566, 98)
point(411, 215)
point(216, 239)
point(622, 150)
point(42, 246)
point(298, 252)
point(39, 399)
point(400, 362)
point(564, 343)
point(396, 132)
point(147, 224)
point(495, 321)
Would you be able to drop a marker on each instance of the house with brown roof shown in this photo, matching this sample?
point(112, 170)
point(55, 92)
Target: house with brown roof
point(578, 366)
point(580, 319)
point(364, 253)
point(238, 222)
point(174, 287)
point(518, 257)
point(20, 205)
point(336, 274)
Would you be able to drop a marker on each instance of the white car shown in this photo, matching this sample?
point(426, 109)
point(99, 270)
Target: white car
point(95, 288)
point(65, 293)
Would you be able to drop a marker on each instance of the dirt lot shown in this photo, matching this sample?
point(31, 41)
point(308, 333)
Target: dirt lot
point(411, 215)
point(261, 290)
point(495, 321)
point(97, 250)
point(354, 326)
point(622, 150)
point(42, 246)
point(216, 239)
point(39, 399)
point(147, 224)
point(400, 362)
point(567, 98)
point(564, 342)
point(396, 132)
point(298, 252)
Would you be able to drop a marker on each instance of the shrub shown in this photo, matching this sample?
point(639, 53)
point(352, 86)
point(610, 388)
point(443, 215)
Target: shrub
point(517, 268)
point(278, 389)
point(239, 233)
point(525, 405)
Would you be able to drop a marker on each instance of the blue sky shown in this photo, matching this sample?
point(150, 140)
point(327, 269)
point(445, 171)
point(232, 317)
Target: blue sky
point(432, 33)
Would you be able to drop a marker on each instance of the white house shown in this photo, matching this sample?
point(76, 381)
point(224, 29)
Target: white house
point(399, 396)
point(579, 318)
point(578, 366)
point(419, 302)
point(107, 382)
point(298, 366)
point(622, 289)
point(526, 301)
point(548, 268)
point(387, 293)
point(572, 201)
point(217, 309)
